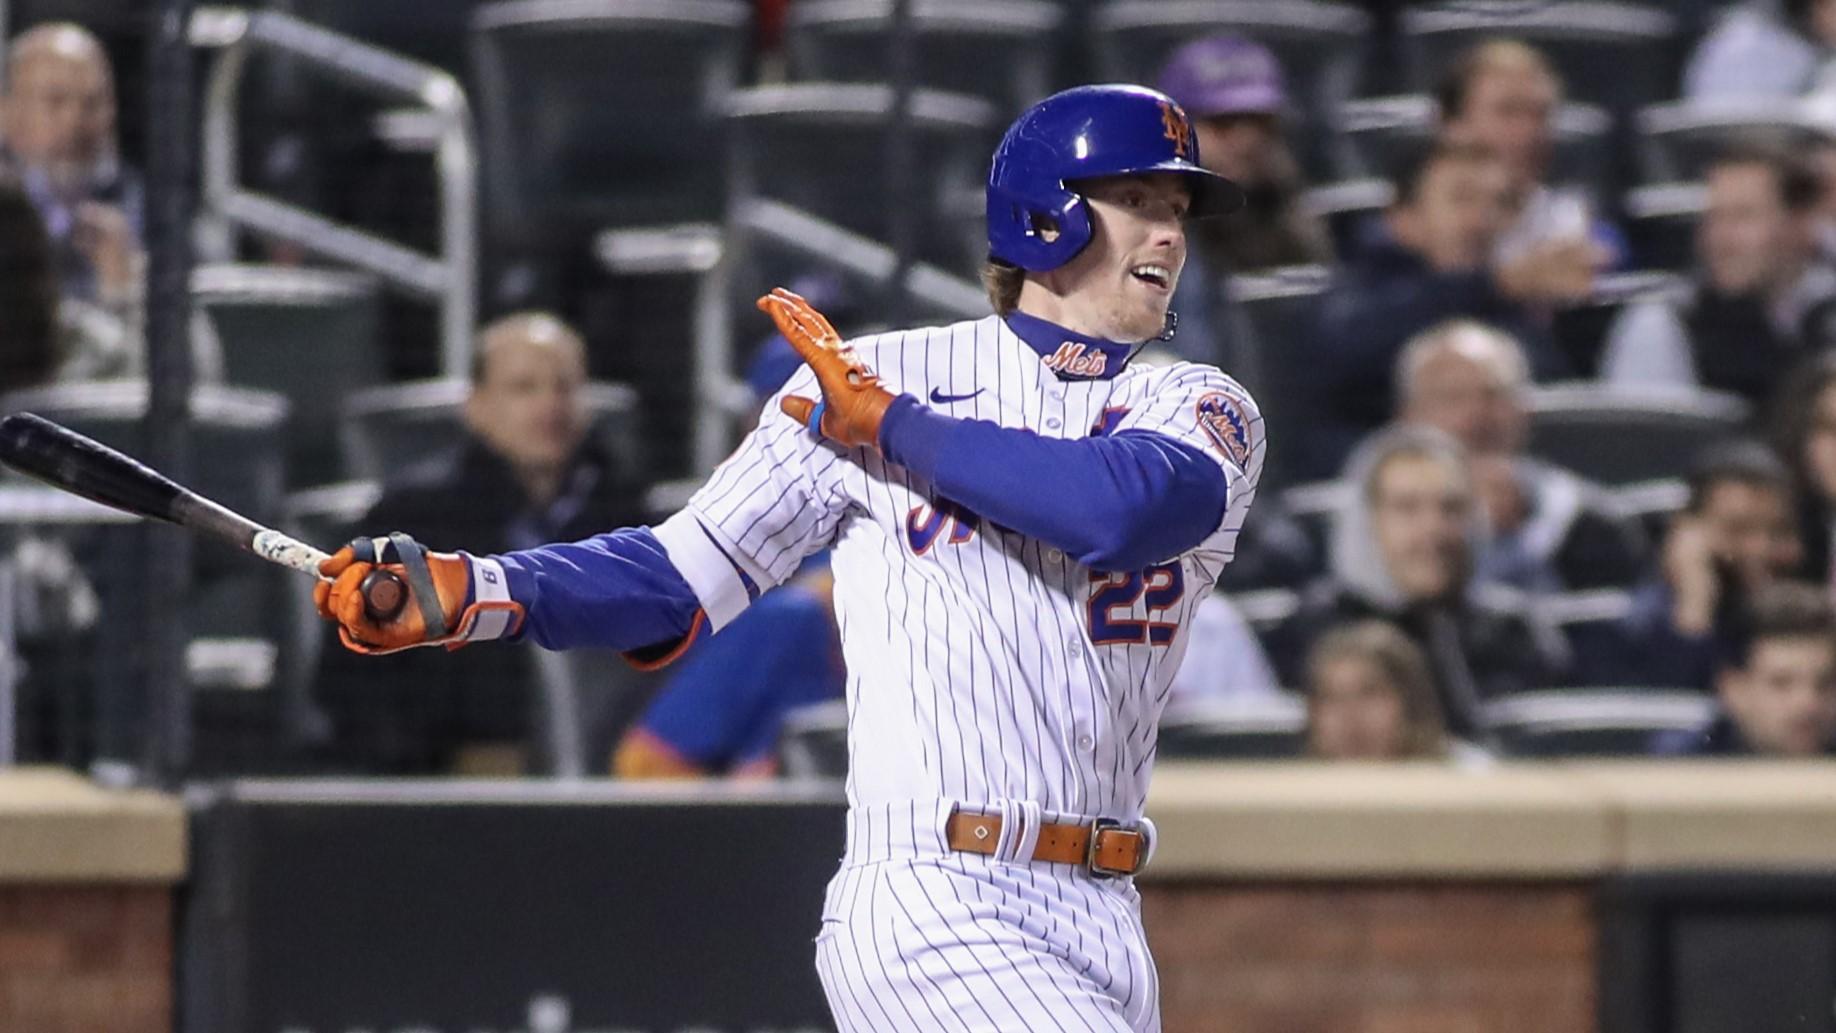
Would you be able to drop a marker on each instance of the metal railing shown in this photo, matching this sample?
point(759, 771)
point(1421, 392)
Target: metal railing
point(701, 251)
point(449, 278)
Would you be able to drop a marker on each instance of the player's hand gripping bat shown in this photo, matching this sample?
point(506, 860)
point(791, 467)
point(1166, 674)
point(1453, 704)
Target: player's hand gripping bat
point(65, 459)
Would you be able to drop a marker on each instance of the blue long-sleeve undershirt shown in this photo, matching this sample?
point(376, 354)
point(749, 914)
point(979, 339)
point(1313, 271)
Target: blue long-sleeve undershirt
point(616, 590)
point(1118, 502)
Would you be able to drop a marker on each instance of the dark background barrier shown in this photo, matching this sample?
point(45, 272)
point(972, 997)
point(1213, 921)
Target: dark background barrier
point(319, 908)
point(475, 907)
point(1718, 953)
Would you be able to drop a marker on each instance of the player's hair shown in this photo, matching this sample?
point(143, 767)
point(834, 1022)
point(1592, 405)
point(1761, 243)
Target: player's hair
point(1401, 664)
point(28, 293)
point(1742, 461)
point(1787, 609)
point(1002, 281)
point(1501, 54)
point(1412, 168)
point(1504, 355)
point(1797, 183)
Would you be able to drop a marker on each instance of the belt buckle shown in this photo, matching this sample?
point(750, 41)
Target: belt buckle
point(1091, 864)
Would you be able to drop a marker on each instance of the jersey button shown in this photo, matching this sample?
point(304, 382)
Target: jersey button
point(1053, 423)
point(1085, 742)
point(1054, 555)
point(1073, 641)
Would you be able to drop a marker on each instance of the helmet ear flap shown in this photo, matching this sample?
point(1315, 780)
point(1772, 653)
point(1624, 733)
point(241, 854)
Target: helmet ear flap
point(1039, 236)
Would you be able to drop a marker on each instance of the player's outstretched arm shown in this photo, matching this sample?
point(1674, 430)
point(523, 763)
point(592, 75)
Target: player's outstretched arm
point(617, 590)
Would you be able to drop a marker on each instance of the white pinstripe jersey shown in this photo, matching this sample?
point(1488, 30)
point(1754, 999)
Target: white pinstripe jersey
point(983, 665)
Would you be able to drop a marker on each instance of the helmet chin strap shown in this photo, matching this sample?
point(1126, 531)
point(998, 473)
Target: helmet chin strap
point(1172, 327)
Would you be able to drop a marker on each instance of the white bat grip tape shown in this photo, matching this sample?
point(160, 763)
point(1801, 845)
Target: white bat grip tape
point(287, 551)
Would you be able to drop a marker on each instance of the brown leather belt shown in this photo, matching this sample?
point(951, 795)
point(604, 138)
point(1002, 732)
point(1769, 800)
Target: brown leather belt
point(1105, 847)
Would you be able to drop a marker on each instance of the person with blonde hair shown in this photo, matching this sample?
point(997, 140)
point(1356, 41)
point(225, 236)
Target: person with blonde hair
point(1371, 696)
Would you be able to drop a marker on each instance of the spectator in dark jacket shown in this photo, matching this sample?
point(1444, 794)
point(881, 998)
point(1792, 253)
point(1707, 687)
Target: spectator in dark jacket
point(528, 473)
point(1736, 537)
point(1761, 300)
point(1551, 530)
point(1403, 551)
point(1436, 263)
point(1777, 689)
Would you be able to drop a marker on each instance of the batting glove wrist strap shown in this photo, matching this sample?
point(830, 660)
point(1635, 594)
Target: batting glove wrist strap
point(489, 611)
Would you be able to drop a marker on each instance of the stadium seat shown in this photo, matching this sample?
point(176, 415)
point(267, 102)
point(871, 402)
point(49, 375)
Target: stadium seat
point(821, 147)
point(236, 434)
point(1349, 209)
point(1676, 140)
point(1278, 306)
point(596, 113)
point(999, 50)
point(1591, 623)
point(1651, 503)
point(1661, 224)
point(1592, 722)
point(1321, 47)
point(1315, 505)
point(1580, 330)
point(308, 334)
point(1615, 55)
point(388, 429)
point(434, 33)
point(1264, 730)
point(1378, 131)
point(1265, 609)
point(1618, 436)
point(814, 742)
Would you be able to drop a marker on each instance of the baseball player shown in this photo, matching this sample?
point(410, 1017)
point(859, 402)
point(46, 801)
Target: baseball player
point(1022, 524)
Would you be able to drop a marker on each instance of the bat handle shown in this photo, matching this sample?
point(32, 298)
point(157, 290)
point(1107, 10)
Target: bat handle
point(384, 595)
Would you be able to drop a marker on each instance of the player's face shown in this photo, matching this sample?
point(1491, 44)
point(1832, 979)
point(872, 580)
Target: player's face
point(60, 114)
point(1420, 512)
point(1784, 702)
point(1355, 713)
point(529, 408)
point(1750, 529)
point(1120, 286)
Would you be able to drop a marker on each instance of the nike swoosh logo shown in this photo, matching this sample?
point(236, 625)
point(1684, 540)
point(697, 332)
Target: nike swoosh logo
point(939, 398)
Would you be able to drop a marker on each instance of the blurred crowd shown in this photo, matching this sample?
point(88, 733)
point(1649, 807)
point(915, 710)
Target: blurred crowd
point(1422, 564)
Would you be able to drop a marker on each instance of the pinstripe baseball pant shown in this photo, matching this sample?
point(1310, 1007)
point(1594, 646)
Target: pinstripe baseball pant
point(918, 937)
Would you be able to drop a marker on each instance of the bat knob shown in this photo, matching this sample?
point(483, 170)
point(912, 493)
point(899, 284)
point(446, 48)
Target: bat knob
point(384, 594)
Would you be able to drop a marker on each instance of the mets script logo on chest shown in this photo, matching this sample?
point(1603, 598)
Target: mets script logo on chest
point(1077, 360)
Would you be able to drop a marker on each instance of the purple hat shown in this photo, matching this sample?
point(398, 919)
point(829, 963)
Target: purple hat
point(1224, 75)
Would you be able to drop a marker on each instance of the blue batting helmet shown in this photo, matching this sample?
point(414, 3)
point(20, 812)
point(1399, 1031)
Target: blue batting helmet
point(1083, 133)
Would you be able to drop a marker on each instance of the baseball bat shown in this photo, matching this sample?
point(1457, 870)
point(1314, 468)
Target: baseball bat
point(83, 466)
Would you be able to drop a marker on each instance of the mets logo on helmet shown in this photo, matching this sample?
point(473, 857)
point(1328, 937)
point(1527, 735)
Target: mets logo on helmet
point(1177, 128)
point(1227, 426)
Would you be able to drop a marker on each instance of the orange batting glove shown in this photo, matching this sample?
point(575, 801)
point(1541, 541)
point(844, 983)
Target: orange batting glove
point(452, 598)
point(853, 402)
